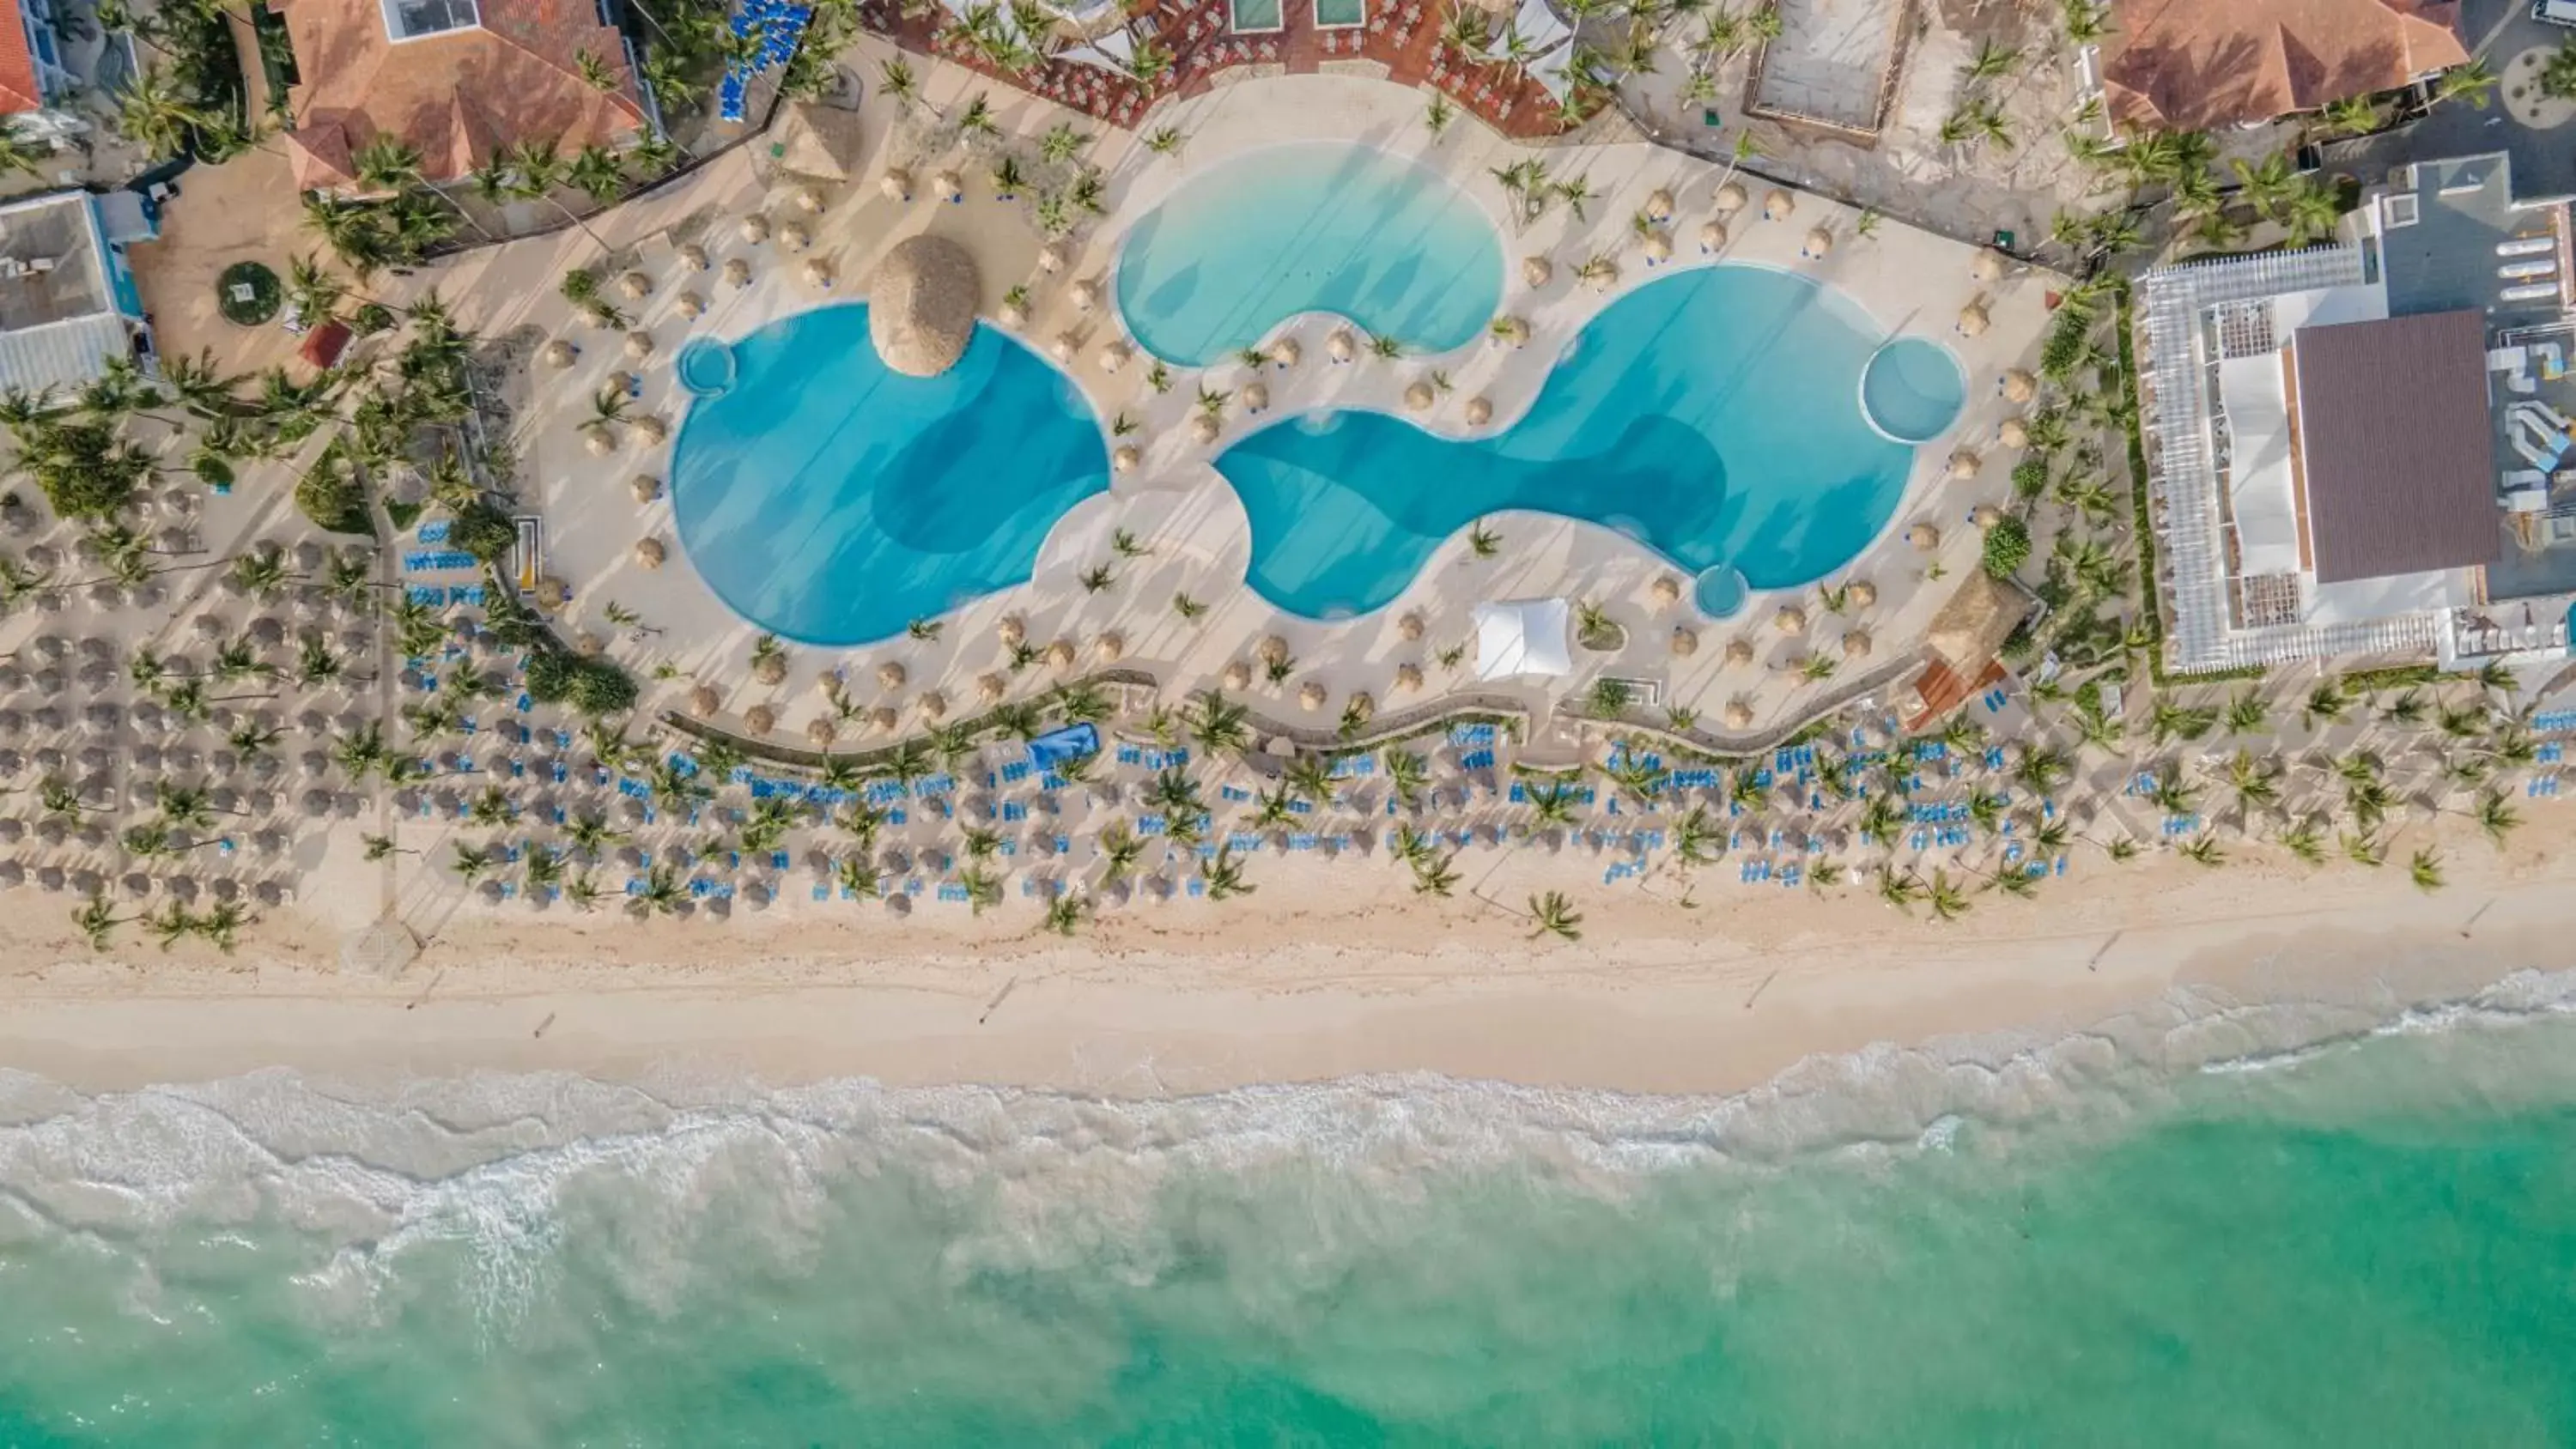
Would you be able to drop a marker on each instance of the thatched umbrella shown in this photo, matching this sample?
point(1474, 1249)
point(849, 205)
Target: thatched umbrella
point(1059, 655)
point(1973, 320)
point(810, 201)
point(1420, 397)
point(649, 553)
point(883, 719)
point(1286, 352)
point(1125, 457)
point(1777, 204)
point(1109, 647)
point(704, 701)
point(1510, 332)
point(2012, 434)
point(1012, 630)
point(694, 257)
point(552, 594)
point(1361, 706)
point(560, 353)
point(1410, 627)
point(1408, 677)
point(1312, 696)
point(636, 286)
point(1860, 593)
point(1712, 237)
point(1537, 272)
point(621, 382)
point(588, 645)
point(1667, 591)
point(645, 487)
point(2018, 386)
point(890, 676)
point(755, 228)
point(598, 439)
point(690, 305)
point(1963, 465)
point(1341, 346)
point(949, 186)
point(737, 272)
point(1790, 619)
point(1924, 537)
point(896, 184)
point(1737, 714)
point(759, 720)
point(770, 670)
point(1273, 649)
point(1480, 411)
point(1085, 295)
point(1685, 641)
point(1054, 257)
point(1062, 348)
point(990, 688)
point(1730, 198)
point(1987, 265)
point(1820, 243)
point(1659, 205)
point(1985, 516)
point(639, 344)
point(1012, 314)
point(1856, 644)
point(1238, 675)
point(1739, 652)
point(652, 430)
point(932, 704)
point(817, 273)
point(1115, 354)
point(1256, 397)
point(1205, 429)
point(1659, 247)
point(818, 731)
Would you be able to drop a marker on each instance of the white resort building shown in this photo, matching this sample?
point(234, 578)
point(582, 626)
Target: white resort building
point(2355, 451)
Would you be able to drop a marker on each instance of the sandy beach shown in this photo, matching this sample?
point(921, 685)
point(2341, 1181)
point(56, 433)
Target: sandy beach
point(1327, 971)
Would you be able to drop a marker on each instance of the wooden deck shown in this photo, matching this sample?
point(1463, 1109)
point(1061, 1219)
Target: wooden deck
point(1404, 38)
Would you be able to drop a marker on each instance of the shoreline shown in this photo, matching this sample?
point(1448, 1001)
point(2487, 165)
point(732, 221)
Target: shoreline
point(1659, 998)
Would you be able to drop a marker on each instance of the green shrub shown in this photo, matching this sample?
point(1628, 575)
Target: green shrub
point(484, 531)
point(330, 494)
point(2007, 547)
point(2030, 478)
point(2065, 346)
point(266, 294)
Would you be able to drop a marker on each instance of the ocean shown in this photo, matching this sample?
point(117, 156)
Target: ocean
point(2218, 1227)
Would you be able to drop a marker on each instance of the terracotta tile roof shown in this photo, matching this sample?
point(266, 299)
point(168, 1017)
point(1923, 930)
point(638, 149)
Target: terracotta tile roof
point(19, 88)
point(458, 96)
point(2191, 65)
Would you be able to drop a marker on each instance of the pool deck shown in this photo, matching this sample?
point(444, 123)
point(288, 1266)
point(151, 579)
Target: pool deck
point(1911, 282)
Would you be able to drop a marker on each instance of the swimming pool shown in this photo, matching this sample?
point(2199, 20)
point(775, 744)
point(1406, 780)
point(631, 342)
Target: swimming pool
point(1713, 416)
point(1309, 227)
point(832, 500)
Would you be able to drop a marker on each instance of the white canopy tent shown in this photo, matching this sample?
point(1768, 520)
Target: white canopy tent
point(1113, 52)
point(1550, 41)
point(1524, 636)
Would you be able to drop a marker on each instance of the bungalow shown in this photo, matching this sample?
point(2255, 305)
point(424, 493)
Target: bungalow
point(68, 302)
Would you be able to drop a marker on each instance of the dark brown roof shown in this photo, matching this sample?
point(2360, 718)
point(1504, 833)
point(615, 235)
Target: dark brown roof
point(2395, 445)
point(2190, 65)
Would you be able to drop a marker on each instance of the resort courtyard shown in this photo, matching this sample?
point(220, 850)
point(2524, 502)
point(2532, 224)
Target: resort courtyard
point(1303, 388)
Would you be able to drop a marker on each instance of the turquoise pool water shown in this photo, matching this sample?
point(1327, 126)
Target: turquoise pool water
point(1713, 416)
point(1310, 227)
point(1913, 389)
point(831, 500)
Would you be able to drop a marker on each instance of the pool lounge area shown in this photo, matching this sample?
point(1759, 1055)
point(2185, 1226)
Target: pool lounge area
point(1690, 447)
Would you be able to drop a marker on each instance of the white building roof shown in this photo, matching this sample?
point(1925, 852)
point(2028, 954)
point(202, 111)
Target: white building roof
point(62, 355)
point(1525, 636)
point(2262, 491)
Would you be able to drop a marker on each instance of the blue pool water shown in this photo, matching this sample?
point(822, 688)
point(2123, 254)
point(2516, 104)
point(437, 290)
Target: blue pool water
point(832, 500)
point(1310, 227)
point(1713, 416)
point(1913, 389)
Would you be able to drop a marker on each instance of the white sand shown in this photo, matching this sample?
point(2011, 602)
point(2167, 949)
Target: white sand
point(1328, 971)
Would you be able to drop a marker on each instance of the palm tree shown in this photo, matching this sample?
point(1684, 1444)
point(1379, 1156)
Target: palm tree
point(2247, 714)
point(2363, 849)
point(1310, 776)
point(2255, 782)
point(469, 862)
point(1948, 902)
point(2426, 870)
point(1900, 891)
point(1119, 850)
point(154, 115)
point(1554, 804)
point(1224, 876)
point(1065, 912)
point(1216, 725)
point(2306, 842)
point(2204, 850)
point(1434, 875)
point(1407, 774)
point(858, 877)
point(661, 892)
point(1551, 913)
point(97, 921)
point(2497, 818)
point(2472, 82)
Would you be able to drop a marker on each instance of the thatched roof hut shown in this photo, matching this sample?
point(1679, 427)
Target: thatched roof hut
point(921, 305)
point(1975, 623)
point(823, 142)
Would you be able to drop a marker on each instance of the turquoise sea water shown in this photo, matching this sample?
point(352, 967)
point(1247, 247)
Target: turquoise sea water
point(832, 500)
point(1309, 227)
point(1713, 416)
point(2148, 1239)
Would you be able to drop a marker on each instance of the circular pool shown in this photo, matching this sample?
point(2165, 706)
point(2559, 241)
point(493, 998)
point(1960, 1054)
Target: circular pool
point(1721, 592)
point(1912, 390)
